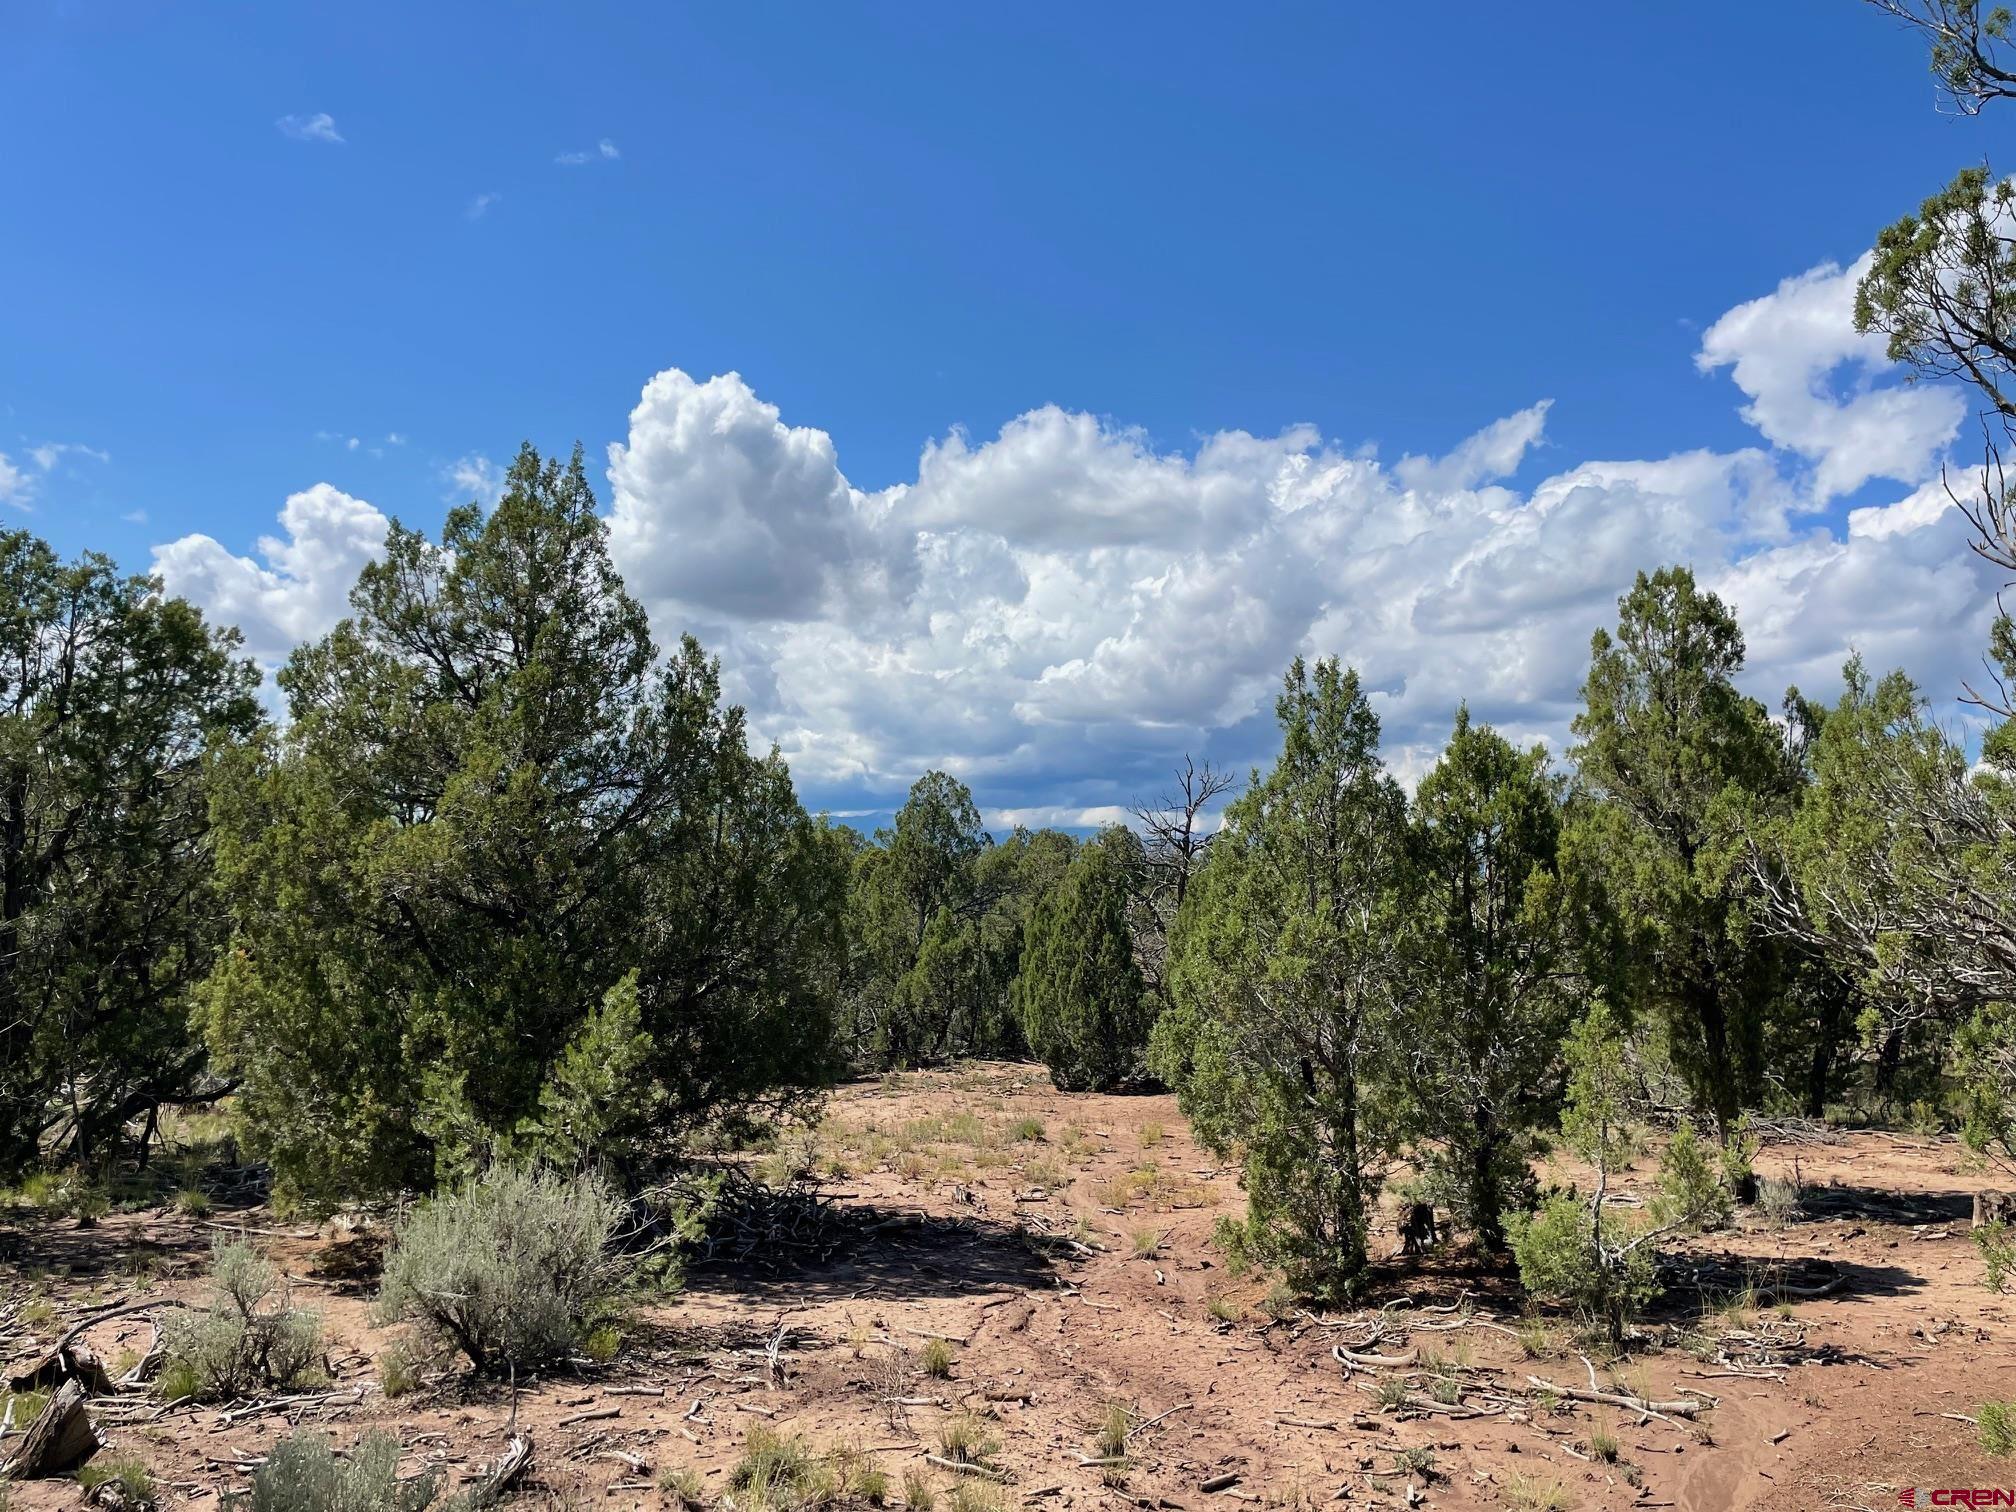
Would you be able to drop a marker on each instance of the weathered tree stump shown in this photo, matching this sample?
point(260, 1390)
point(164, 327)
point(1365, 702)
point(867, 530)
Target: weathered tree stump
point(66, 1362)
point(1994, 1207)
point(59, 1440)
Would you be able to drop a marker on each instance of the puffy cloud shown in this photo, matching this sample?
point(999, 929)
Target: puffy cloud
point(318, 126)
point(1059, 611)
point(1056, 612)
point(722, 510)
point(1494, 452)
point(1785, 349)
point(299, 584)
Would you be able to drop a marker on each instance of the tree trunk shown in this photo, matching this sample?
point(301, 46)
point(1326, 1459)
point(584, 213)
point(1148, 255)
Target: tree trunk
point(1889, 1060)
point(59, 1440)
point(1993, 1207)
point(1719, 1071)
point(1485, 1221)
point(1821, 1070)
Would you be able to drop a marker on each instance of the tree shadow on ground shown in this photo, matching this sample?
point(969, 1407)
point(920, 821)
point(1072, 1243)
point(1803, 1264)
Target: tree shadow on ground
point(1713, 1278)
point(863, 1253)
point(1885, 1206)
point(119, 1245)
point(1450, 1275)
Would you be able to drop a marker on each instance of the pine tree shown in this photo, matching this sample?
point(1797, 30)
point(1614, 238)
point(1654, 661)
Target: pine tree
point(118, 705)
point(1676, 754)
point(492, 803)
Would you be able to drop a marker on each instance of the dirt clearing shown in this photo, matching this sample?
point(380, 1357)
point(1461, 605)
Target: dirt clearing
point(1013, 1290)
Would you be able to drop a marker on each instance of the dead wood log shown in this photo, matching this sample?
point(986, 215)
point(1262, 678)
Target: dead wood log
point(1147, 1423)
point(71, 1333)
point(966, 1467)
point(60, 1438)
point(509, 1466)
point(69, 1361)
point(1685, 1408)
point(1994, 1207)
point(1373, 1361)
point(1787, 1289)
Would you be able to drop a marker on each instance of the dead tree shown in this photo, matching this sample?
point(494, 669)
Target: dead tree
point(1174, 840)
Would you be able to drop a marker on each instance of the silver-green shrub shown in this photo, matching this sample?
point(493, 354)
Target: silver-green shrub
point(303, 1474)
point(514, 1269)
point(251, 1338)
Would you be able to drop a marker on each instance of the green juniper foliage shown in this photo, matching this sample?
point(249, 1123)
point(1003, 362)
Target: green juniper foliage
point(116, 706)
point(1289, 968)
point(1578, 1248)
point(492, 805)
point(1495, 938)
point(935, 926)
point(1675, 753)
point(1080, 995)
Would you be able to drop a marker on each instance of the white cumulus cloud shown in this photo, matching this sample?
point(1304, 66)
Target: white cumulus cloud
point(1788, 352)
point(1058, 611)
point(1055, 611)
point(297, 585)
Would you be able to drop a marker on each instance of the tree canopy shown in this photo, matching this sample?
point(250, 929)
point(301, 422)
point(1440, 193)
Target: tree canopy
point(494, 803)
point(1079, 993)
point(1672, 751)
point(118, 705)
point(1288, 973)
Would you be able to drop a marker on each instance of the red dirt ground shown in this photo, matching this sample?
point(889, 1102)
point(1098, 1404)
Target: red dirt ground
point(1051, 1334)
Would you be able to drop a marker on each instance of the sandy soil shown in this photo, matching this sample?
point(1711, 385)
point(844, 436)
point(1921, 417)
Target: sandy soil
point(1062, 1244)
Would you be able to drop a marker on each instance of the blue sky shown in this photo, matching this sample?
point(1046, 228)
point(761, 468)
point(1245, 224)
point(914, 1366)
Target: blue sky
point(901, 224)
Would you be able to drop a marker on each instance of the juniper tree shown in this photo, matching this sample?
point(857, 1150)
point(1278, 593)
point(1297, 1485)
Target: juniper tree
point(934, 929)
point(1079, 995)
point(117, 705)
point(1577, 1247)
point(1009, 880)
point(1898, 869)
point(1497, 936)
point(1288, 971)
point(1940, 286)
point(492, 803)
point(1675, 753)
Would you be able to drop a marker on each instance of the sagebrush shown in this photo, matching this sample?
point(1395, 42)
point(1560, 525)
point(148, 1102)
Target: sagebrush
point(514, 1270)
point(304, 1473)
point(250, 1339)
